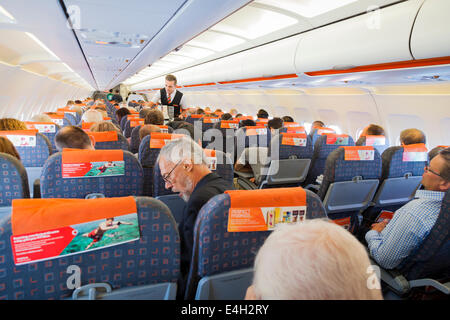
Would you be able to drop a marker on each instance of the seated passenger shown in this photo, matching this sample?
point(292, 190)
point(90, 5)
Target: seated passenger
point(7, 124)
point(391, 242)
point(247, 123)
point(233, 112)
point(317, 124)
point(370, 130)
point(102, 110)
point(287, 119)
point(200, 111)
point(255, 159)
point(154, 116)
point(92, 116)
point(434, 152)
point(6, 146)
point(122, 112)
point(104, 126)
point(144, 111)
point(184, 168)
point(73, 137)
point(41, 118)
point(313, 260)
point(226, 116)
point(262, 114)
point(146, 129)
point(412, 136)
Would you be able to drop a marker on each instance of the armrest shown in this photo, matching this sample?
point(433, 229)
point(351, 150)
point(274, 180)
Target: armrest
point(244, 175)
point(442, 287)
point(246, 184)
point(313, 187)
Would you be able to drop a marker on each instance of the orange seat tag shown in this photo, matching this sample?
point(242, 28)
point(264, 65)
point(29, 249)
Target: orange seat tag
point(359, 153)
point(415, 152)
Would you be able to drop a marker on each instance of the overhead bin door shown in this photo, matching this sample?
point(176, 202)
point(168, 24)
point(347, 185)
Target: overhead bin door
point(376, 37)
point(431, 33)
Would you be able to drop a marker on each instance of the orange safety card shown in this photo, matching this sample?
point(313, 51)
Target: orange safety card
point(104, 136)
point(57, 118)
point(344, 222)
point(78, 163)
point(359, 153)
point(164, 129)
point(263, 209)
point(42, 127)
point(337, 139)
point(385, 216)
point(21, 138)
point(196, 116)
point(415, 152)
point(294, 139)
point(159, 139)
point(375, 140)
point(43, 229)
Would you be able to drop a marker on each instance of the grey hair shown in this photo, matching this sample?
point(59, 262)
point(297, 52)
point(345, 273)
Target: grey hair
point(41, 118)
point(183, 149)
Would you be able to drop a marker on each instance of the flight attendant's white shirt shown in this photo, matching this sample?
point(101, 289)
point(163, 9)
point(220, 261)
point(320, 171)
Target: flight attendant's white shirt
point(157, 98)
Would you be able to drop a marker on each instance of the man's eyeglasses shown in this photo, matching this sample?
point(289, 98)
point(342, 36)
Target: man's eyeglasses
point(166, 177)
point(427, 168)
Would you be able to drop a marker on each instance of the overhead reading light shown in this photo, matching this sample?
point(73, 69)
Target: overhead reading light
point(43, 46)
point(6, 17)
point(307, 8)
point(215, 41)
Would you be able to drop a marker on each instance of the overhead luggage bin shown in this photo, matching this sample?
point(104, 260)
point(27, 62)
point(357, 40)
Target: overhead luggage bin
point(429, 38)
point(375, 37)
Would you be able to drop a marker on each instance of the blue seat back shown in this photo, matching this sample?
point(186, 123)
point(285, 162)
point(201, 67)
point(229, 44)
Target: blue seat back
point(35, 156)
point(152, 259)
point(320, 154)
point(135, 140)
point(290, 151)
point(217, 251)
point(53, 185)
point(121, 143)
point(13, 180)
point(395, 167)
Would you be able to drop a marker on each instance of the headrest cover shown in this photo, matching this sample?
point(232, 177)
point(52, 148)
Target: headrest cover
point(294, 139)
point(134, 122)
point(359, 153)
point(78, 163)
point(211, 120)
point(296, 130)
point(48, 228)
point(323, 130)
point(42, 127)
point(290, 124)
point(375, 140)
point(21, 138)
point(104, 136)
point(211, 159)
point(87, 125)
point(253, 131)
point(261, 210)
point(226, 124)
point(196, 116)
point(415, 152)
point(337, 139)
point(159, 139)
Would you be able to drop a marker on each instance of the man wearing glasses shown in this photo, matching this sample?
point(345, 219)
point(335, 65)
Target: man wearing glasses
point(391, 242)
point(184, 168)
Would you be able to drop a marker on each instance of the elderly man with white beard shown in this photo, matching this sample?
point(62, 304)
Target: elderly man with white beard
point(184, 168)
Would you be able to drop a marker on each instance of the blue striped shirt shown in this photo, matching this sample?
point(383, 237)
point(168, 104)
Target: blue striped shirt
point(407, 229)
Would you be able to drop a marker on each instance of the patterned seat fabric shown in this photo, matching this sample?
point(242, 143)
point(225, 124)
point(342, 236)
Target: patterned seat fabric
point(226, 145)
point(147, 158)
point(216, 250)
point(127, 129)
point(13, 180)
point(123, 122)
point(432, 258)
point(72, 119)
point(287, 151)
point(121, 143)
point(395, 167)
point(54, 186)
point(152, 259)
point(36, 156)
point(338, 169)
point(319, 157)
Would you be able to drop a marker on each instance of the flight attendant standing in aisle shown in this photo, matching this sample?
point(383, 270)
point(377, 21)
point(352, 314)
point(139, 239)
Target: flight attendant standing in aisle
point(169, 96)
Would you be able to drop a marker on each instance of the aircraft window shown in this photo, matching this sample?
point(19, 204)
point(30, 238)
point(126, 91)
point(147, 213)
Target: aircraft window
point(307, 126)
point(336, 128)
point(358, 133)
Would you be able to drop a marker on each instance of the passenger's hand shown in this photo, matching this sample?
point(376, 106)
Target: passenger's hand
point(378, 227)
